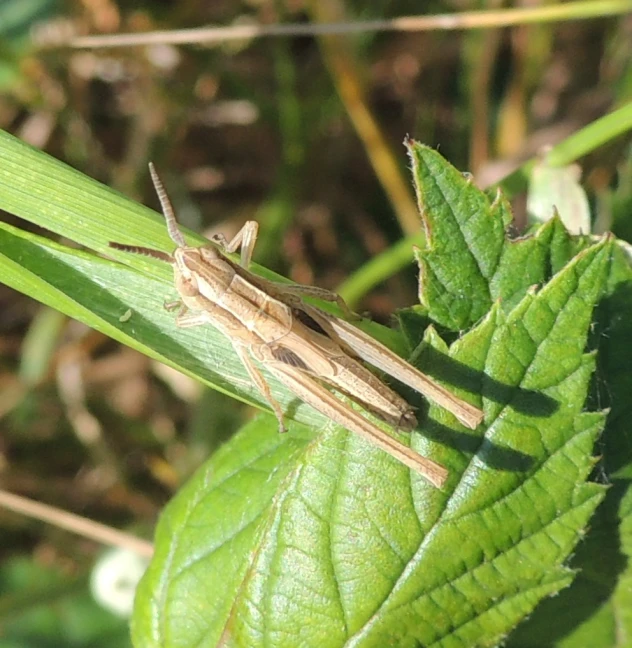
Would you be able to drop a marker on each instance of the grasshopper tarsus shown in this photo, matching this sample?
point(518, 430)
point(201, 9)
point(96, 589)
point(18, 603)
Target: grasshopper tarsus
point(219, 239)
point(408, 421)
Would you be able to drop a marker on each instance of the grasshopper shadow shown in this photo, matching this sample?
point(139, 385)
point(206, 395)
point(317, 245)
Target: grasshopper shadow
point(451, 372)
point(523, 401)
point(490, 453)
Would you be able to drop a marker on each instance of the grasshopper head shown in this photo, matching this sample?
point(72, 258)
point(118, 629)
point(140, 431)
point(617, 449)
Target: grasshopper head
point(184, 278)
point(184, 262)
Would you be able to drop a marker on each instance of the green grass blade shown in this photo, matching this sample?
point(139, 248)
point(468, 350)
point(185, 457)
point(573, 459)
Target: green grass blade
point(100, 293)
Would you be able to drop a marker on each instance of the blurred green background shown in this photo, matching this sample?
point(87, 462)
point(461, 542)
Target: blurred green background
point(300, 132)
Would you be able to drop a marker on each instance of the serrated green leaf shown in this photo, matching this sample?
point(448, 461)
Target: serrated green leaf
point(595, 611)
point(611, 336)
point(622, 598)
point(334, 543)
point(467, 261)
point(464, 240)
point(416, 564)
point(203, 547)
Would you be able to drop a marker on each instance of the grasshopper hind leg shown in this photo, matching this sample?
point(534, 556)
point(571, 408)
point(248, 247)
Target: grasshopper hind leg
point(257, 378)
point(300, 291)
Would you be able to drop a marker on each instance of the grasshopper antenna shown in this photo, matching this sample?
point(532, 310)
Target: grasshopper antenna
point(137, 249)
point(172, 225)
point(167, 209)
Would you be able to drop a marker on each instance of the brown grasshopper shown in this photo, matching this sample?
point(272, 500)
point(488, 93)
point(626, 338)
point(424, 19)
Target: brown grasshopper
point(300, 344)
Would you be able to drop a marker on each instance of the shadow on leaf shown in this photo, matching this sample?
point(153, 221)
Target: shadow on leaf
point(450, 371)
point(492, 454)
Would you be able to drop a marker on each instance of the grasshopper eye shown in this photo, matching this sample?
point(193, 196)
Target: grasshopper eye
point(186, 286)
point(209, 253)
